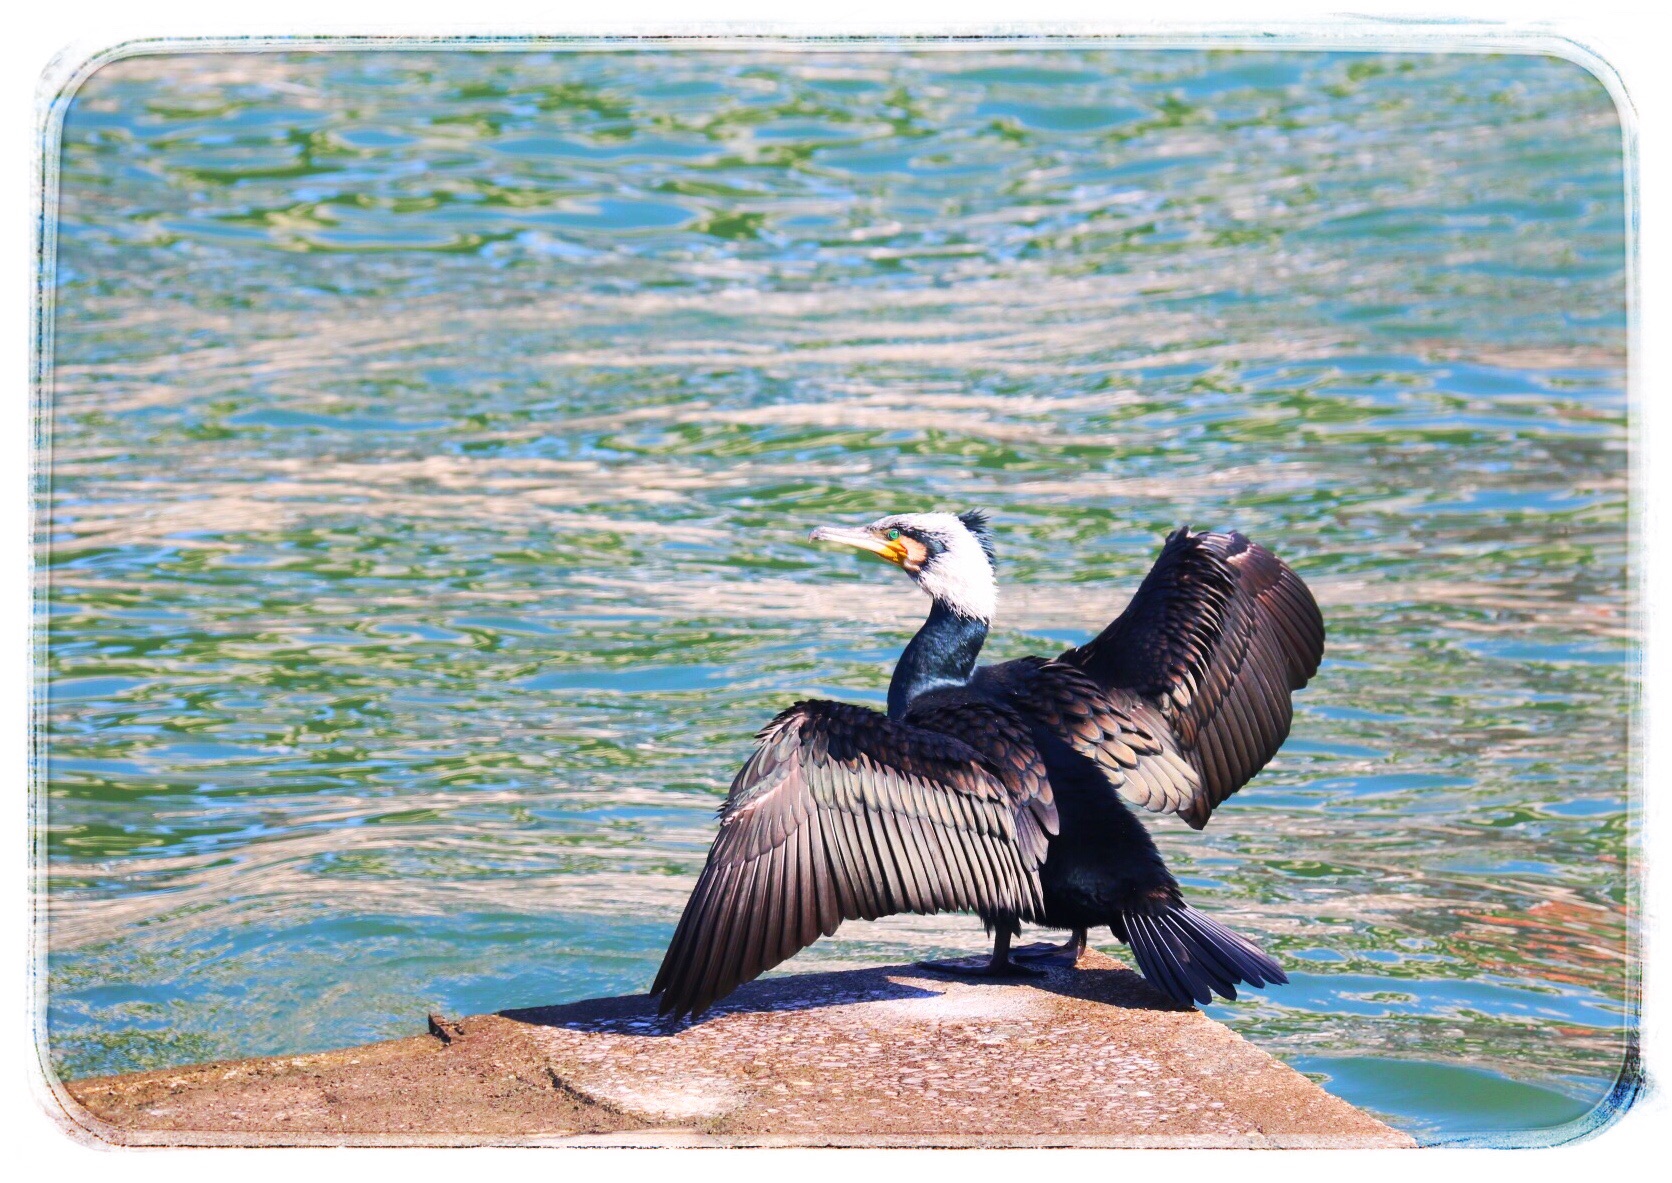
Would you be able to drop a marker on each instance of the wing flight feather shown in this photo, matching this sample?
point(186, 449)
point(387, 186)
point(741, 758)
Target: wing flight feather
point(844, 814)
point(1219, 635)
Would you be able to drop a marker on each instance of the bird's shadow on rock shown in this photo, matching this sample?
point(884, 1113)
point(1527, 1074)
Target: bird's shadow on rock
point(635, 1014)
point(1111, 985)
point(1097, 978)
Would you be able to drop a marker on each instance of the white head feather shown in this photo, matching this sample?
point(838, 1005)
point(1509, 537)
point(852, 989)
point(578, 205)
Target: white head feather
point(959, 569)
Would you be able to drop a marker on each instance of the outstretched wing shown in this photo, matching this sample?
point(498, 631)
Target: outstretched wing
point(843, 814)
point(1124, 734)
point(1218, 636)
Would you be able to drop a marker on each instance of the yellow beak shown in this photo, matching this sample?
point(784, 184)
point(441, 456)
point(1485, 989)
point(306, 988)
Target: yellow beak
point(861, 539)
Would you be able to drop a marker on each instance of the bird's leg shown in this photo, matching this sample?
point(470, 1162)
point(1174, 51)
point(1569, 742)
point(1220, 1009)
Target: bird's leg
point(1067, 953)
point(1000, 966)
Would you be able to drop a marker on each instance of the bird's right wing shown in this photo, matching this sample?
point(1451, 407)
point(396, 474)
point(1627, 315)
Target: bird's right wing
point(843, 814)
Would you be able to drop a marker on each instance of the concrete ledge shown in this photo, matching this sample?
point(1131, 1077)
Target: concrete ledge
point(895, 1056)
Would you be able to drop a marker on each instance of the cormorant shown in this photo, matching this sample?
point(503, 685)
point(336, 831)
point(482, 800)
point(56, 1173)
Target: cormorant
point(1004, 790)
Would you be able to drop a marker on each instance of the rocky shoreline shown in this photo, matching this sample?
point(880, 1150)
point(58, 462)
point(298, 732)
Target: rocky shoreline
point(898, 1055)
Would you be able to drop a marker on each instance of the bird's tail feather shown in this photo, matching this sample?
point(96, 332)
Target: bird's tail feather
point(1190, 957)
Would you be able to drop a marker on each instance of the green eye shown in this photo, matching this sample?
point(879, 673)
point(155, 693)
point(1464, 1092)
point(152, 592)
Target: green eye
point(894, 535)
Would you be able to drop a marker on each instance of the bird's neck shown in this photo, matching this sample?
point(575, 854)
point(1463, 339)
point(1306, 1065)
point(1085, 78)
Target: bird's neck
point(942, 654)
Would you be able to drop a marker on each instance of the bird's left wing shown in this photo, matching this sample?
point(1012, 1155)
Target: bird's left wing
point(841, 814)
point(1218, 636)
point(1126, 736)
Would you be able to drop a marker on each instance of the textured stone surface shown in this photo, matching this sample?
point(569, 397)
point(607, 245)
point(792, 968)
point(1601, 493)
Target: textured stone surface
point(1089, 1056)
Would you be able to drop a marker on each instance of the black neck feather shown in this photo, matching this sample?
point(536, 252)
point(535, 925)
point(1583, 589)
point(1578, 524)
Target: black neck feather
point(942, 653)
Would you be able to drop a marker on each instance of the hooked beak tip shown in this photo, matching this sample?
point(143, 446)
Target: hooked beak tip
point(860, 539)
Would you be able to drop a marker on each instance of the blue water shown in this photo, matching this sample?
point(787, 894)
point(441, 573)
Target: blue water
point(435, 437)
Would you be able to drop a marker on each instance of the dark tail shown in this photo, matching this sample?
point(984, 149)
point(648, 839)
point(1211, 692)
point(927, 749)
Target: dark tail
point(1189, 957)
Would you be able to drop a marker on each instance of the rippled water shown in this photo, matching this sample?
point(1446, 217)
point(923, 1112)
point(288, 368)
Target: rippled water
point(434, 438)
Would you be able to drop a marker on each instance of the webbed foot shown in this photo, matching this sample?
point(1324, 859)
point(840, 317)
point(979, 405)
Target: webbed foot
point(1066, 954)
point(1043, 954)
point(991, 968)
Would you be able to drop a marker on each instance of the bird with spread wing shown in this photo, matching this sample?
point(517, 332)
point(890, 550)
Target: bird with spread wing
point(1008, 790)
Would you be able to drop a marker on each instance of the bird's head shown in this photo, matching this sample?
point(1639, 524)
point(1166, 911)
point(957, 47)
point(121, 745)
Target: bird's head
point(949, 556)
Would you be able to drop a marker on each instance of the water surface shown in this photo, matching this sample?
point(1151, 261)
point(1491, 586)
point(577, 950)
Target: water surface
point(435, 435)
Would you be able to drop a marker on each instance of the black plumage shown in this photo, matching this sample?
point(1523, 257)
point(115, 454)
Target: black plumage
point(1002, 790)
point(1219, 633)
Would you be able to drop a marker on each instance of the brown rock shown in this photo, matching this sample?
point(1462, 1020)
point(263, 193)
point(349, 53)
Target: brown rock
point(900, 1055)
